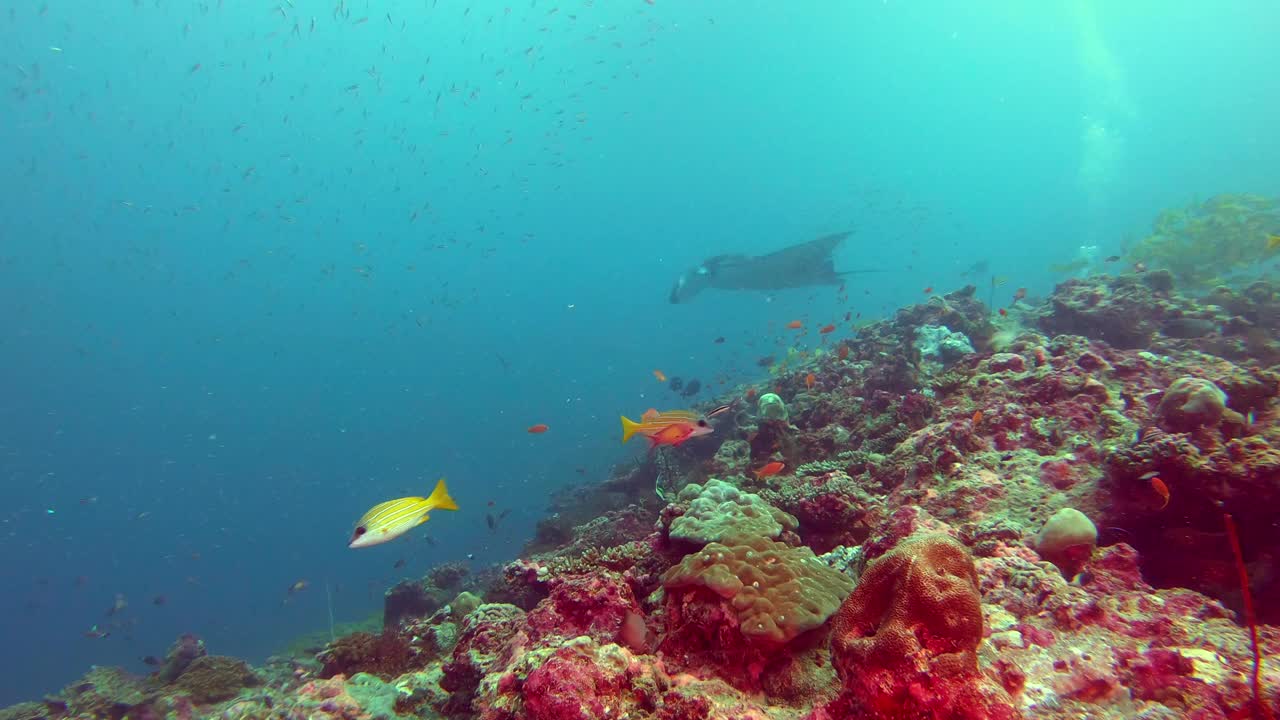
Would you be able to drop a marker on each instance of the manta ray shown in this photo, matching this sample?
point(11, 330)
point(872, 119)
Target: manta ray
point(802, 265)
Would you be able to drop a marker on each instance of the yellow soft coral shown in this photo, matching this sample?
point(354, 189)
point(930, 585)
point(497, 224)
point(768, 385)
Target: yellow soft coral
point(1202, 242)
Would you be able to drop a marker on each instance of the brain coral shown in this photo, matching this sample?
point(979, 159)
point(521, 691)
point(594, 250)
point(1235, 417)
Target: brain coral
point(720, 512)
point(777, 592)
point(907, 638)
point(922, 595)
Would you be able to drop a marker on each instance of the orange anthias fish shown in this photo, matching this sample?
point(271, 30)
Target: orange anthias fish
point(809, 380)
point(1160, 489)
point(827, 329)
point(770, 470)
point(843, 352)
point(977, 416)
point(662, 377)
point(538, 429)
point(795, 325)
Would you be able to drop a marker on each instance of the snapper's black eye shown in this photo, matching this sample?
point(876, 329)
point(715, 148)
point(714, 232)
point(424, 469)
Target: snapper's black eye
point(702, 423)
point(361, 530)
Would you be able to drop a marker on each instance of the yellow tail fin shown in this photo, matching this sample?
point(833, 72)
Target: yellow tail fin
point(629, 428)
point(439, 499)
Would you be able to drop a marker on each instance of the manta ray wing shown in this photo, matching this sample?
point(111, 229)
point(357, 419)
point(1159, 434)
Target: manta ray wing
point(802, 265)
point(808, 263)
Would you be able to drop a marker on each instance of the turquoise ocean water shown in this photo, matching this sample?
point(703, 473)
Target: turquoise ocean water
point(265, 264)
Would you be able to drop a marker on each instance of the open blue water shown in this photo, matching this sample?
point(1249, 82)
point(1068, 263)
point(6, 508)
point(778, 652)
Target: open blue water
point(263, 265)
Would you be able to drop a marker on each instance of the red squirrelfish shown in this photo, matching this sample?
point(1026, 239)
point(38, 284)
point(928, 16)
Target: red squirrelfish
point(653, 421)
point(666, 428)
point(677, 433)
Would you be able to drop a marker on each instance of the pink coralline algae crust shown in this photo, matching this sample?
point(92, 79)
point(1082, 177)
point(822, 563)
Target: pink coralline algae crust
point(704, 639)
point(577, 684)
point(1114, 644)
point(591, 605)
point(1058, 474)
point(832, 509)
point(325, 700)
point(488, 640)
point(1166, 676)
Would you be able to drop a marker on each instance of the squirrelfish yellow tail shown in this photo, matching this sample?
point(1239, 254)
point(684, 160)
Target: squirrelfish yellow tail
point(629, 428)
point(439, 498)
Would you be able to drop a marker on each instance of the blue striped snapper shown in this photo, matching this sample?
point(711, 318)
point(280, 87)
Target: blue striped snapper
point(389, 520)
